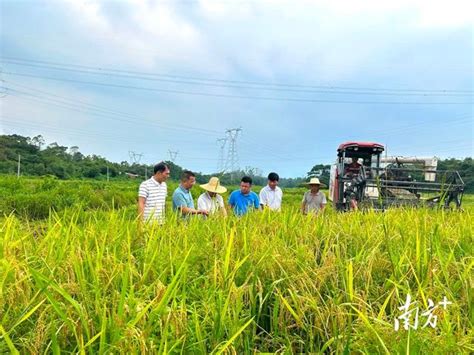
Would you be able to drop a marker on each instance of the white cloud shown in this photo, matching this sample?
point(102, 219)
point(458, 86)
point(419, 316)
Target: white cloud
point(446, 14)
point(323, 41)
point(333, 38)
point(148, 35)
point(88, 13)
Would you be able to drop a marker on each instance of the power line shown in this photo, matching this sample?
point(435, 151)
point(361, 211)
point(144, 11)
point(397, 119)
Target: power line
point(395, 131)
point(62, 104)
point(74, 132)
point(108, 110)
point(150, 77)
point(266, 149)
point(449, 143)
point(271, 152)
point(80, 132)
point(462, 118)
point(201, 79)
point(103, 112)
point(3, 89)
point(263, 98)
point(78, 108)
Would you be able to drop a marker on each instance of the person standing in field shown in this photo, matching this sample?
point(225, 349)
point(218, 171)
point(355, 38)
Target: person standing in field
point(182, 199)
point(314, 200)
point(211, 200)
point(152, 195)
point(244, 200)
point(271, 195)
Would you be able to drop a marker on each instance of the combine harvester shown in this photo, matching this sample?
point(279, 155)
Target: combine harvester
point(362, 178)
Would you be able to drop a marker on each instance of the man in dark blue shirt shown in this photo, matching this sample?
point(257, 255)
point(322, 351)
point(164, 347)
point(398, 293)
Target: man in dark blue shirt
point(244, 200)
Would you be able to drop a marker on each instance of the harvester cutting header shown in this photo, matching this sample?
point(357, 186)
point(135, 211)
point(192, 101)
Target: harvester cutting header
point(363, 178)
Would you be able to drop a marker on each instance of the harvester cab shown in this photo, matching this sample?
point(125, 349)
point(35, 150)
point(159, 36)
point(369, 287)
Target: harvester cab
point(363, 178)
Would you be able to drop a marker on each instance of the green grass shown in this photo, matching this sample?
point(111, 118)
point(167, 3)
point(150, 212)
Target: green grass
point(92, 281)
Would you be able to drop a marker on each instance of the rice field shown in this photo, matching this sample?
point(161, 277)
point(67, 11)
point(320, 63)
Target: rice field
point(87, 278)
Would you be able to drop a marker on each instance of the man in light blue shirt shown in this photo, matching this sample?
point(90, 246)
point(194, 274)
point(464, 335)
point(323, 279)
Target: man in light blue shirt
point(182, 199)
point(244, 200)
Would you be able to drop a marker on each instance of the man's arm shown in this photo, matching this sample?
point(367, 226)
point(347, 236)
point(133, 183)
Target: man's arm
point(188, 210)
point(142, 196)
point(201, 204)
point(222, 208)
point(230, 208)
point(223, 211)
point(257, 204)
point(303, 207)
point(231, 203)
point(323, 202)
point(180, 204)
point(141, 206)
point(262, 198)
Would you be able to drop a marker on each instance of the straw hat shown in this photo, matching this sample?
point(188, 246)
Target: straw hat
point(313, 181)
point(214, 186)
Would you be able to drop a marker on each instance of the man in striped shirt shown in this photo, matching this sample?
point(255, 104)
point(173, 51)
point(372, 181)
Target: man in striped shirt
point(152, 195)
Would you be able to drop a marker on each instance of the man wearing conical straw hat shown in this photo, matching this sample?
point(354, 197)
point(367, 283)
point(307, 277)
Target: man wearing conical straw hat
point(211, 200)
point(314, 200)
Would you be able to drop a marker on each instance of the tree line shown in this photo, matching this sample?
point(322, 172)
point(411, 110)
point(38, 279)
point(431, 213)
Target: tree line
point(41, 159)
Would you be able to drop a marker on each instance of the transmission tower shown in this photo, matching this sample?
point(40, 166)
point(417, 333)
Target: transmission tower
point(173, 155)
point(232, 163)
point(220, 161)
point(134, 157)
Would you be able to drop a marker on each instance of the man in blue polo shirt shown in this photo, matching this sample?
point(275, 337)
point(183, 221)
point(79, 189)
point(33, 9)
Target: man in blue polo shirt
point(182, 199)
point(244, 200)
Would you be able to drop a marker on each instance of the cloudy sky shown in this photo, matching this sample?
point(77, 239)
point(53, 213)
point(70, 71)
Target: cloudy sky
point(299, 78)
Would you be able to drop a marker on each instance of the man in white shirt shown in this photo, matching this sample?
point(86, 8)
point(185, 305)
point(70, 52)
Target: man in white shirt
point(152, 195)
point(271, 195)
point(211, 200)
